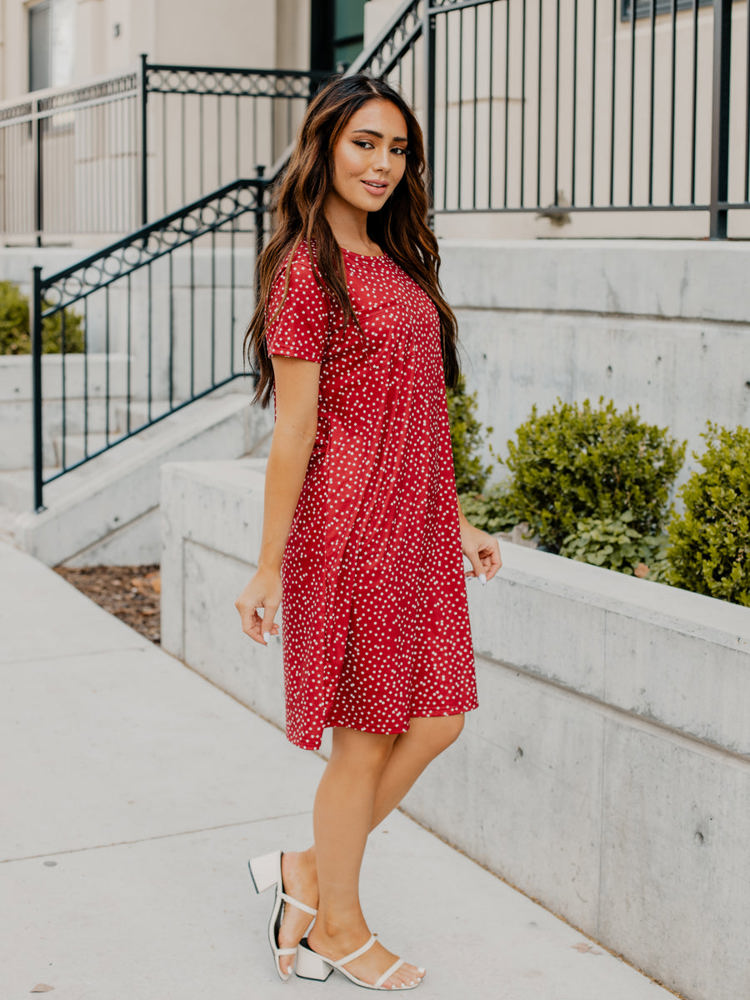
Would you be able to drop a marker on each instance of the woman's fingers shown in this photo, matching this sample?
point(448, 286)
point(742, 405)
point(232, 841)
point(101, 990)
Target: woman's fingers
point(485, 560)
point(491, 558)
point(267, 626)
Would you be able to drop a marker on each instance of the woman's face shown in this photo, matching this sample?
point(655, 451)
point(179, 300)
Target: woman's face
point(369, 157)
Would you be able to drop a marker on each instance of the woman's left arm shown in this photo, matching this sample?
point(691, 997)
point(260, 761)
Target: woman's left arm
point(480, 548)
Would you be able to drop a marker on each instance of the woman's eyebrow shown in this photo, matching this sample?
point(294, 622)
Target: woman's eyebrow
point(379, 135)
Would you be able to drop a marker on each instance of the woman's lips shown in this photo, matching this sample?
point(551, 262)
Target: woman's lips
point(375, 188)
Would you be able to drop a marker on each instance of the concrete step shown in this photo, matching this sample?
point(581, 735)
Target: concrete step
point(106, 511)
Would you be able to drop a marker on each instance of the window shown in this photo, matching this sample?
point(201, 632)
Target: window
point(348, 32)
point(337, 33)
point(643, 7)
point(51, 43)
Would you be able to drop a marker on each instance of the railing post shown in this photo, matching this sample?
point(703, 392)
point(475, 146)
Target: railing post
point(36, 383)
point(259, 220)
point(36, 127)
point(428, 37)
point(144, 139)
point(720, 118)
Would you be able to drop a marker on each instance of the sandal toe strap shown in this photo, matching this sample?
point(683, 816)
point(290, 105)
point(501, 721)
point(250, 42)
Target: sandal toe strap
point(286, 951)
point(358, 952)
point(296, 902)
point(396, 965)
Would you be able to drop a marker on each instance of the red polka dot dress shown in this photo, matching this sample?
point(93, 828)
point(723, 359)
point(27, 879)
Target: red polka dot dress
point(375, 625)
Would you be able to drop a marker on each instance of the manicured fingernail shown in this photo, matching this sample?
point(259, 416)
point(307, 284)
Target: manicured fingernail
point(482, 579)
point(266, 636)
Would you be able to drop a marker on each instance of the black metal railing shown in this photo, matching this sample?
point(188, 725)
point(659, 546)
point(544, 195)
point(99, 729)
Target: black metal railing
point(118, 153)
point(69, 162)
point(537, 107)
point(161, 314)
point(207, 125)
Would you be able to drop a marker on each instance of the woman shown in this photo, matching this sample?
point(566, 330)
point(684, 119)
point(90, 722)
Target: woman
point(362, 531)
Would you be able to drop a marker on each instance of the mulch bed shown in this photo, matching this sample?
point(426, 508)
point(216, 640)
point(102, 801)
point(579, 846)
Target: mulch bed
point(130, 593)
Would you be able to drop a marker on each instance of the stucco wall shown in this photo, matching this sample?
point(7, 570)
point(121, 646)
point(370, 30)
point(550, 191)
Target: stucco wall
point(111, 34)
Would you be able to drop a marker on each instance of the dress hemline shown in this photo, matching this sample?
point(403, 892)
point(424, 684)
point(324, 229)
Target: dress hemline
point(310, 745)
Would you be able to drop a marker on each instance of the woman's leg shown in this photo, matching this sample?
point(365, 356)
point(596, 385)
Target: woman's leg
point(408, 756)
point(342, 819)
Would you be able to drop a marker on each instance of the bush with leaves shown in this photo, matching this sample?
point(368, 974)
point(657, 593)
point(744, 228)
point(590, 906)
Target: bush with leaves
point(15, 337)
point(582, 461)
point(614, 543)
point(710, 543)
point(490, 510)
point(466, 438)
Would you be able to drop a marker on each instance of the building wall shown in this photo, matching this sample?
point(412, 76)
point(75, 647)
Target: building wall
point(111, 35)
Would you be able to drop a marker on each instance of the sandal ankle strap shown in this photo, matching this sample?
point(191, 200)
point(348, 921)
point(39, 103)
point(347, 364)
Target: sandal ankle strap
point(296, 902)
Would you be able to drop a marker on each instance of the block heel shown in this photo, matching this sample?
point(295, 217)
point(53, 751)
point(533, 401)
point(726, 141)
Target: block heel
point(265, 870)
point(311, 965)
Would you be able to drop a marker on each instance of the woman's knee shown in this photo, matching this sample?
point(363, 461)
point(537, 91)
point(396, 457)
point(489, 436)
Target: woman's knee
point(366, 751)
point(437, 732)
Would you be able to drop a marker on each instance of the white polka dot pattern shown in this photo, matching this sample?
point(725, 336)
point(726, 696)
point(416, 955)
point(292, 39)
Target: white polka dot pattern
point(375, 618)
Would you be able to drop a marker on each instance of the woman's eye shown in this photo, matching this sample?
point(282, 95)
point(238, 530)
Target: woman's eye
point(400, 149)
point(363, 144)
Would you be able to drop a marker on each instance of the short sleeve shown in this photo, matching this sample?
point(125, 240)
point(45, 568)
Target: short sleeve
point(301, 327)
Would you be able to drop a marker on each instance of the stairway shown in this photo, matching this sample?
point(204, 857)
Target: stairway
point(106, 511)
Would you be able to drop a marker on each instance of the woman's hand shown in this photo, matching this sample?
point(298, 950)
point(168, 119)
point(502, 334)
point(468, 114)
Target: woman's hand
point(262, 593)
point(482, 551)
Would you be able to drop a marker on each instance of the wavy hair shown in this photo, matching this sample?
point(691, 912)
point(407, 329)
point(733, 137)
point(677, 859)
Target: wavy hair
point(399, 227)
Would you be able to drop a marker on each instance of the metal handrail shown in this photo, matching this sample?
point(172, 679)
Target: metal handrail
point(216, 213)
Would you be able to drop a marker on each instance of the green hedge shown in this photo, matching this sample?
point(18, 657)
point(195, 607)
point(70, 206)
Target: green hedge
point(583, 461)
point(710, 542)
point(15, 336)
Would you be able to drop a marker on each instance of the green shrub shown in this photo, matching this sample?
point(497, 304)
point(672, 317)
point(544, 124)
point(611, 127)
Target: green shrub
point(578, 461)
point(466, 438)
point(710, 542)
point(614, 543)
point(15, 337)
point(490, 510)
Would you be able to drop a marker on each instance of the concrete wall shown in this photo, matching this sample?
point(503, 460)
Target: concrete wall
point(664, 324)
point(607, 770)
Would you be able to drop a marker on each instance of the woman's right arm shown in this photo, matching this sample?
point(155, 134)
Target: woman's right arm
point(296, 383)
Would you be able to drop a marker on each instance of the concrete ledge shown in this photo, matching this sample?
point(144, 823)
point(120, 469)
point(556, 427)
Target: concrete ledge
point(106, 512)
point(680, 279)
point(607, 770)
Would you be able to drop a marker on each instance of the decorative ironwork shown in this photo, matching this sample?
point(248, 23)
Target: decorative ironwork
point(224, 82)
point(396, 38)
point(118, 86)
point(151, 242)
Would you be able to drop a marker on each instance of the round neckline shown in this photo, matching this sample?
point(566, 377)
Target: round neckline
point(367, 256)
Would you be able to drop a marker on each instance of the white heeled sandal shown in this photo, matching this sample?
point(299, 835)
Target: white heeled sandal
point(311, 965)
point(265, 871)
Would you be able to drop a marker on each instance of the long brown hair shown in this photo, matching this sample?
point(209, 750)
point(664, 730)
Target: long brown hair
point(399, 227)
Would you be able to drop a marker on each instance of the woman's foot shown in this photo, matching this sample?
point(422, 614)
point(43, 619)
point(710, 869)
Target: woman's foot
point(368, 967)
point(300, 878)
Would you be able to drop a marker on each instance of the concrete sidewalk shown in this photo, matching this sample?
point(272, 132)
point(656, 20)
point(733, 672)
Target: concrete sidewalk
point(133, 793)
